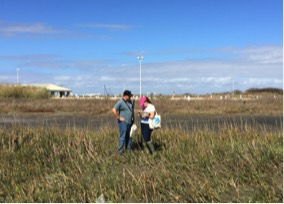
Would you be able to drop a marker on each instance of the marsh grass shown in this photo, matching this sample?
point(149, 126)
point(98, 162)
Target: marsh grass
point(48, 164)
point(56, 106)
point(267, 105)
point(22, 92)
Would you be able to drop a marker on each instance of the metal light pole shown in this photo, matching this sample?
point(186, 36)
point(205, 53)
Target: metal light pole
point(140, 59)
point(18, 75)
point(233, 86)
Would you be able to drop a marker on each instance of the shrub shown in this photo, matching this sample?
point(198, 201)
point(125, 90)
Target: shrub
point(18, 91)
point(265, 90)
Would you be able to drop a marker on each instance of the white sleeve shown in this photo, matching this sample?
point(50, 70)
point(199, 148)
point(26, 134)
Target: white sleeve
point(152, 108)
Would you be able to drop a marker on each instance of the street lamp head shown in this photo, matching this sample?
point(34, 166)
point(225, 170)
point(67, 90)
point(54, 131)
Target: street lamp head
point(140, 58)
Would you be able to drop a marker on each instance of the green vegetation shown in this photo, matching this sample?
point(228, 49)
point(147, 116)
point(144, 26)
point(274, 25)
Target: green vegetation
point(265, 90)
point(46, 164)
point(26, 92)
point(246, 92)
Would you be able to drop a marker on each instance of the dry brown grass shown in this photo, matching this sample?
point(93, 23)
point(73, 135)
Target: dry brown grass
point(266, 105)
point(55, 106)
point(17, 91)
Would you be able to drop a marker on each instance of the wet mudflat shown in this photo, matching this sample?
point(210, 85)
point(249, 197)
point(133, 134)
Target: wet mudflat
point(187, 123)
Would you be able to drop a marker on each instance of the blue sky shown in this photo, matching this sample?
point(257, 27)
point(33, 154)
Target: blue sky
point(189, 46)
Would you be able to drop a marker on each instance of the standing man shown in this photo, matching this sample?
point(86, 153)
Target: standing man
point(123, 111)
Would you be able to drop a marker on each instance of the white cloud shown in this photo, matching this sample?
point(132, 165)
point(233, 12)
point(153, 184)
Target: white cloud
point(137, 53)
point(107, 78)
point(218, 80)
point(39, 29)
point(262, 81)
point(113, 27)
point(35, 57)
point(36, 28)
point(176, 80)
point(4, 78)
point(62, 78)
point(267, 55)
point(261, 55)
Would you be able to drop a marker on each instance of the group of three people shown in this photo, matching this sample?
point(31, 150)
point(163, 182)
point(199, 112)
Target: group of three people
point(124, 113)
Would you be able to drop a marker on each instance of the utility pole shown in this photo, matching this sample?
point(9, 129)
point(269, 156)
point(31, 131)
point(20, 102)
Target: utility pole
point(140, 59)
point(18, 75)
point(233, 86)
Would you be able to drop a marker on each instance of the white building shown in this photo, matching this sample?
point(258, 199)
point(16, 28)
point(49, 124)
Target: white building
point(54, 89)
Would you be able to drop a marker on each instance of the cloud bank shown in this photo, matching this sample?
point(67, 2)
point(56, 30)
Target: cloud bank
point(249, 67)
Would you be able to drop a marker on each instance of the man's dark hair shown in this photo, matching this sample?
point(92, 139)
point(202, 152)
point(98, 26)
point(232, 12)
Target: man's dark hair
point(127, 93)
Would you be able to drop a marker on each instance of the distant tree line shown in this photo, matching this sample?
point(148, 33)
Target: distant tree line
point(265, 90)
point(248, 91)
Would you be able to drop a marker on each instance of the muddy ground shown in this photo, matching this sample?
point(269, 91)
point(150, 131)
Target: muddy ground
point(185, 122)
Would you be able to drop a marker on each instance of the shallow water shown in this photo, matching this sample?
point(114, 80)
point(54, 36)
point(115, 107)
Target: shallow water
point(183, 122)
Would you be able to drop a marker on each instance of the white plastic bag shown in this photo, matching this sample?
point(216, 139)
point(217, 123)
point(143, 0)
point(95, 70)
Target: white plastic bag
point(133, 129)
point(155, 123)
point(101, 199)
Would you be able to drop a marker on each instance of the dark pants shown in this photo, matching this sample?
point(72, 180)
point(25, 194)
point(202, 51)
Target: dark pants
point(146, 132)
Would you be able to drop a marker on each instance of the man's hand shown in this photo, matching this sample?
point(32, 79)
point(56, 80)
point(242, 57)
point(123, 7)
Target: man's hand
point(115, 113)
point(121, 119)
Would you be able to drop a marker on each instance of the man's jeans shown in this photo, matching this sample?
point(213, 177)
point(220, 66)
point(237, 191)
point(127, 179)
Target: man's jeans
point(124, 131)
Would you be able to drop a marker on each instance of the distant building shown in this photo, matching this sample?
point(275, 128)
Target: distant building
point(54, 89)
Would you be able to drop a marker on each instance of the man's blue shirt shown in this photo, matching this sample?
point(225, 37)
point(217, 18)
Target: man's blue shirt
point(124, 110)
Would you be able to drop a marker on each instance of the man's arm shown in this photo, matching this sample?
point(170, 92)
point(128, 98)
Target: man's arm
point(115, 113)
